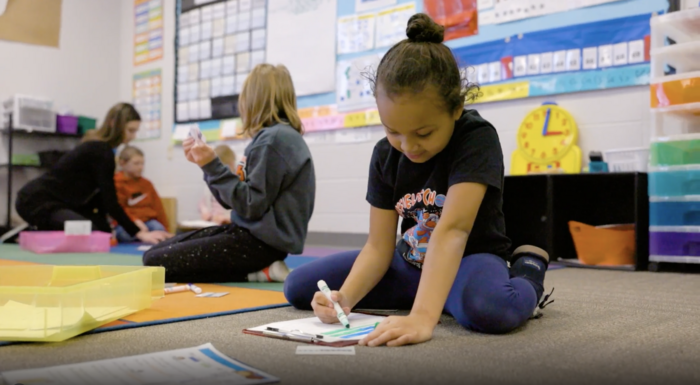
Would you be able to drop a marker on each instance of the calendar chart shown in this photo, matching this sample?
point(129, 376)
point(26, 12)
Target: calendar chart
point(219, 43)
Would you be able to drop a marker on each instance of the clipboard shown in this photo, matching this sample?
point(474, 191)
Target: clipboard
point(337, 344)
point(313, 331)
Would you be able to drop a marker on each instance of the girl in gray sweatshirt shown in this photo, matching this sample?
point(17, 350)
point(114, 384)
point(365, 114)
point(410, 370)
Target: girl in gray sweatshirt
point(271, 193)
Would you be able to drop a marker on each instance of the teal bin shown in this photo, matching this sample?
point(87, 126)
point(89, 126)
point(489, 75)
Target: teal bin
point(674, 183)
point(85, 124)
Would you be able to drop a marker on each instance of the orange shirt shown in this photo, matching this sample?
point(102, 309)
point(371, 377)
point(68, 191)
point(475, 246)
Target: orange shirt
point(139, 199)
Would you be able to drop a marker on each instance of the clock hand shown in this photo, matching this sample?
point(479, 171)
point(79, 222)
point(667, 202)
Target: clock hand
point(546, 122)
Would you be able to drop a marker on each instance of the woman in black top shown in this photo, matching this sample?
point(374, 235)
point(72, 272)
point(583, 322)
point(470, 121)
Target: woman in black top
point(81, 185)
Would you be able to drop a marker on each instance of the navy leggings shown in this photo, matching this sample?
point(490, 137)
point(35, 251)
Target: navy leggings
point(484, 297)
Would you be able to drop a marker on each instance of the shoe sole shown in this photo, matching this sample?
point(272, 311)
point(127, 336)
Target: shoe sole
point(531, 250)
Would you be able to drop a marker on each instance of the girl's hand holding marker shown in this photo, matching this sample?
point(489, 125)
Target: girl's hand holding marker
point(330, 306)
point(196, 151)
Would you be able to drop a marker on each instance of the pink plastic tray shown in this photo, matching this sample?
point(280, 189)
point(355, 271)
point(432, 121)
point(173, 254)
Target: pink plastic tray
point(46, 242)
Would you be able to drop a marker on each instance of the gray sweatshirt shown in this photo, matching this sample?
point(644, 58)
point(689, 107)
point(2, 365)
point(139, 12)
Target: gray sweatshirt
point(273, 193)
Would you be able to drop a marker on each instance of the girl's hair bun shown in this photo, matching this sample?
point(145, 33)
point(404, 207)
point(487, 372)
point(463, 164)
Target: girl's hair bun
point(422, 29)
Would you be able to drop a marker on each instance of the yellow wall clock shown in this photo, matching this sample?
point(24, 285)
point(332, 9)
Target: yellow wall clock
point(547, 140)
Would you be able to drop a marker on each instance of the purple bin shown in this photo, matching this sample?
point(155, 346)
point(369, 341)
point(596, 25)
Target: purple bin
point(67, 124)
point(674, 243)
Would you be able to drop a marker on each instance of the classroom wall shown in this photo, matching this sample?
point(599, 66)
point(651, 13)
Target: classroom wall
point(81, 74)
point(607, 120)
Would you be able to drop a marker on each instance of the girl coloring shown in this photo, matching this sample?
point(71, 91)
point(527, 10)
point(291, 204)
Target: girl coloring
point(271, 193)
point(440, 168)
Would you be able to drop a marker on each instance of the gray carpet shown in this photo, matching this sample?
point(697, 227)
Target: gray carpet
point(605, 327)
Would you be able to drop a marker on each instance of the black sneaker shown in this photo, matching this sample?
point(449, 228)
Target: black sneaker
point(536, 252)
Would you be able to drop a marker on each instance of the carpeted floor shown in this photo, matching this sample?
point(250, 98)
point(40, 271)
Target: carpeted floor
point(605, 327)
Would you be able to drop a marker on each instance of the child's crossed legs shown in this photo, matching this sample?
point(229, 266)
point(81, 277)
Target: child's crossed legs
point(483, 297)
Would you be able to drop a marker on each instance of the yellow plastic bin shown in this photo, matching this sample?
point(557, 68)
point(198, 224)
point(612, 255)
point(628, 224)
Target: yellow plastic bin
point(53, 303)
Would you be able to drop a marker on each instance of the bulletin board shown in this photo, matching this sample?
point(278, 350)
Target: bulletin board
point(511, 48)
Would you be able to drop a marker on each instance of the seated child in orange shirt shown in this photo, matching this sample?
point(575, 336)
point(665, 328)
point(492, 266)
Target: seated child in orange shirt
point(137, 195)
point(209, 208)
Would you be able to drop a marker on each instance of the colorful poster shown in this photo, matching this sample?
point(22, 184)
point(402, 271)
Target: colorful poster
point(147, 100)
point(356, 33)
point(148, 35)
point(353, 88)
point(459, 17)
point(367, 5)
point(391, 24)
point(506, 11)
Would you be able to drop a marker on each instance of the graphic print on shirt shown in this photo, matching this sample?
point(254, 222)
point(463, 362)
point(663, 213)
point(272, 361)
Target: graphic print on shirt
point(136, 198)
point(240, 169)
point(425, 207)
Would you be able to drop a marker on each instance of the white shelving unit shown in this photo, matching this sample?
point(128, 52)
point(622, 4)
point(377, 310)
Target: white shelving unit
point(674, 172)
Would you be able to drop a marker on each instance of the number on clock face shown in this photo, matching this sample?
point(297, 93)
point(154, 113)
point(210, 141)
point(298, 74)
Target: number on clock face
point(546, 134)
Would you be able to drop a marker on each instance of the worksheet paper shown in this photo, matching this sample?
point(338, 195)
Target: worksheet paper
point(353, 90)
point(307, 27)
point(198, 365)
point(360, 326)
point(391, 24)
point(356, 33)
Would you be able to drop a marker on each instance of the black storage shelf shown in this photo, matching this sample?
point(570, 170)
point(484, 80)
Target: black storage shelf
point(20, 132)
point(538, 209)
point(11, 133)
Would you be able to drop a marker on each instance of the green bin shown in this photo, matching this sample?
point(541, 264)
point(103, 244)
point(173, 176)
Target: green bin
point(676, 153)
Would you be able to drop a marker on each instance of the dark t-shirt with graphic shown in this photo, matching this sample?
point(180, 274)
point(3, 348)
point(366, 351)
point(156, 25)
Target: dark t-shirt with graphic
point(417, 191)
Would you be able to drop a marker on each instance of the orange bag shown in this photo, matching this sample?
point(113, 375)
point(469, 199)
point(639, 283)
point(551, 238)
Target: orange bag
point(604, 245)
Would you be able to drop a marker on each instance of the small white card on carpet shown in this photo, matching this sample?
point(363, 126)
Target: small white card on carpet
point(77, 227)
point(314, 350)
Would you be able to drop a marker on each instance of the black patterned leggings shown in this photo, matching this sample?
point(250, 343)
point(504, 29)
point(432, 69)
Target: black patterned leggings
point(225, 253)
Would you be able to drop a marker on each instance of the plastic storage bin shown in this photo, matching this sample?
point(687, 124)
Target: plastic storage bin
point(29, 113)
point(67, 124)
point(674, 211)
point(26, 159)
point(85, 124)
point(675, 153)
point(54, 303)
point(604, 245)
point(627, 160)
point(674, 241)
point(675, 182)
point(45, 242)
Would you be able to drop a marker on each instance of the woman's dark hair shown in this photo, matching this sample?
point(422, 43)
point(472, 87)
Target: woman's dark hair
point(421, 60)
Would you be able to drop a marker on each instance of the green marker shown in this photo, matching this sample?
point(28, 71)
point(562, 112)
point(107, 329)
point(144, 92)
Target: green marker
point(341, 314)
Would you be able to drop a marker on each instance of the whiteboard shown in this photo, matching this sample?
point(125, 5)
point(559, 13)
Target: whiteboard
point(301, 35)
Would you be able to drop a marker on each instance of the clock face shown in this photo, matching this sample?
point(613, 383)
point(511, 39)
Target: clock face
point(546, 134)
